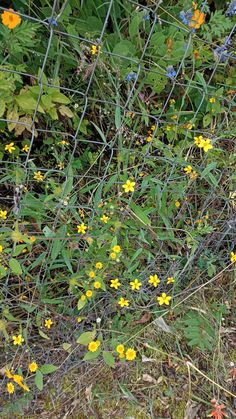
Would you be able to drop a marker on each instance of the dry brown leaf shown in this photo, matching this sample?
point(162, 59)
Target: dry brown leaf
point(144, 319)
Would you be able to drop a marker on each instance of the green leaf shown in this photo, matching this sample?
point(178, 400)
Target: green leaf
point(65, 111)
point(59, 98)
point(89, 356)
point(108, 358)
point(18, 249)
point(81, 304)
point(140, 214)
point(48, 368)
point(86, 337)
point(38, 380)
point(2, 107)
point(68, 184)
point(15, 266)
point(43, 335)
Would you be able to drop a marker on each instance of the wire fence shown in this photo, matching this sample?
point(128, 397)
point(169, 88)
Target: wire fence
point(121, 98)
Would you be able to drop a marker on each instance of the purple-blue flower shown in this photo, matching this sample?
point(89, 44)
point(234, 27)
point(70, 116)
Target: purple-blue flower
point(146, 17)
point(52, 21)
point(131, 76)
point(170, 71)
point(231, 9)
point(186, 16)
point(221, 53)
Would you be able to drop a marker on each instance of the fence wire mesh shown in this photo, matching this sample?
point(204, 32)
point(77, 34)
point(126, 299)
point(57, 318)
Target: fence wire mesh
point(112, 99)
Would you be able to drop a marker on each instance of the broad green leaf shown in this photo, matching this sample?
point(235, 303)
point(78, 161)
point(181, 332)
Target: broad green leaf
point(86, 337)
point(90, 356)
point(108, 358)
point(65, 111)
point(59, 98)
point(48, 368)
point(15, 266)
point(38, 380)
point(81, 304)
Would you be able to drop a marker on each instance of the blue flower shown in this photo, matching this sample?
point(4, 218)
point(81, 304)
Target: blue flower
point(186, 17)
point(228, 41)
point(171, 73)
point(131, 76)
point(146, 17)
point(52, 21)
point(231, 9)
point(221, 53)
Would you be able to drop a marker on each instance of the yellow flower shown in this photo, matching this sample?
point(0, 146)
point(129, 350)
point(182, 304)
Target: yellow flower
point(1, 248)
point(197, 19)
point(113, 255)
point(232, 257)
point(130, 354)
point(3, 214)
point(135, 285)
point(120, 349)
point(116, 249)
point(8, 373)
point(9, 19)
point(170, 280)
point(89, 293)
point(32, 239)
point(154, 280)
point(188, 169)
point(25, 148)
point(115, 283)
point(207, 145)
point(99, 265)
point(81, 213)
point(17, 340)
point(199, 141)
point(164, 299)
point(193, 175)
point(97, 284)
point(10, 388)
point(129, 186)
point(123, 302)
point(33, 366)
point(48, 323)
point(172, 101)
point(18, 379)
point(91, 274)
point(82, 228)
point(94, 345)
point(79, 319)
point(63, 142)
point(94, 49)
point(105, 218)
point(188, 125)
point(10, 148)
point(83, 297)
point(61, 166)
point(212, 100)
point(148, 139)
point(177, 204)
point(38, 176)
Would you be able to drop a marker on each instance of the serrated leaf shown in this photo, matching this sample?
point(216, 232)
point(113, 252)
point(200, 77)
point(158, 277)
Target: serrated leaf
point(86, 337)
